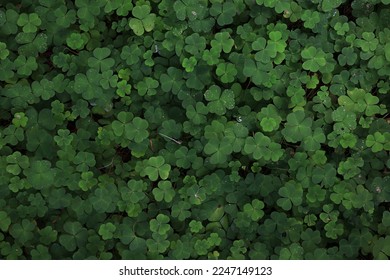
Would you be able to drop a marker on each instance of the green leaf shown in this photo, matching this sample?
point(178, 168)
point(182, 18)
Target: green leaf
point(297, 127)
point(160, 224)
point(254, 209)
point(106, 231)
point(5, 221)
point(156, 167)
point(261, 147)
point(23, 231)
point(101, 61)
point(227, 72)
point(291, 195)
point(218, 150)
point(40, 174)
point(164, 191)
point(219, 101)
point(29, 22)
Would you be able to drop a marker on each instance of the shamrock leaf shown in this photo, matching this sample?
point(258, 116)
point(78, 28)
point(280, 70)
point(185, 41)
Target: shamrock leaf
point(197, 114)
point(25, 65)
point(88, 85)
point(137, 130)
point(219, 150)
point(160, 224)
point(189, 63)
point(148, 86)
point(40, 174)
point(3, 51)
point(195, 44)
point(313, 58)
point(16, 163)
point(101, 61)
point(156, 167)
point(257, 71)
point(378, 141)
point(23, 231)
point(269, 118)
point(172, 81)
point(107, 230)
point(223, 12)
point(5, 221)
point(222, 42)
point(29, 22)
point(164, 191)
point(227, 72)
point(261, 146)
point(143, 20)
point(219, 101)
point(20, 120)
point(291, 194)
point(76, 41)
point(131, 54)
point(254, 209)
point(297, 127)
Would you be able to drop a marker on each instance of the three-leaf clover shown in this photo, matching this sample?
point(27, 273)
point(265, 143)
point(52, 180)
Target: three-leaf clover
point(101, 60)
point(261, 146)
point(378, 141)
point(143, 20)
point(156, 167)
point(226, 71)
point(219, 101)
point(291, 194)
point(164, 191)
point(297, 127)
point(219, 150)
point(313, 58)
point(29, 22)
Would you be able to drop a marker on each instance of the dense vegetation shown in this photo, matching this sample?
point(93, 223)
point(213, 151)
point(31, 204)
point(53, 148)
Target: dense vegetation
point(194, 129)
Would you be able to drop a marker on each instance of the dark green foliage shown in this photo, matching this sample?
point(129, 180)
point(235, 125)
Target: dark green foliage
point(254, 129)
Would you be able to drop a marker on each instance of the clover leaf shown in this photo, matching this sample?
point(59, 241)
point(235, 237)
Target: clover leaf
point(164, 191)
point(297, 127)
point(189, 63)
point(291, 195)
point(378, 141)
point(40, 174)
point(5, 221)
point(198, 113)
point(222, 42)
point(269, 118)
point(131, 54)
point(160, 224)
point(143, 20)
point(107, 230)
point(227, 72)
point(254, 209)
point(224, 12)
point(23, 231)
point(29, 22)
point(101, 60)
point(218, 150)
point(195, 44)
point(25, 65)
point(156, 167)
point(137, 130)
point(314, 59)
point(219, 101)
point(88, 84)
point(172, 80)
point(3, 51)
point(261, 146)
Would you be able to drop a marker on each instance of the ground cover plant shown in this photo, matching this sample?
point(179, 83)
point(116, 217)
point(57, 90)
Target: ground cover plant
point(161, 129)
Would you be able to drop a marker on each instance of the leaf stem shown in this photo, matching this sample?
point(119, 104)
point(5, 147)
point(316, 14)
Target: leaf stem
point(170, 138)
